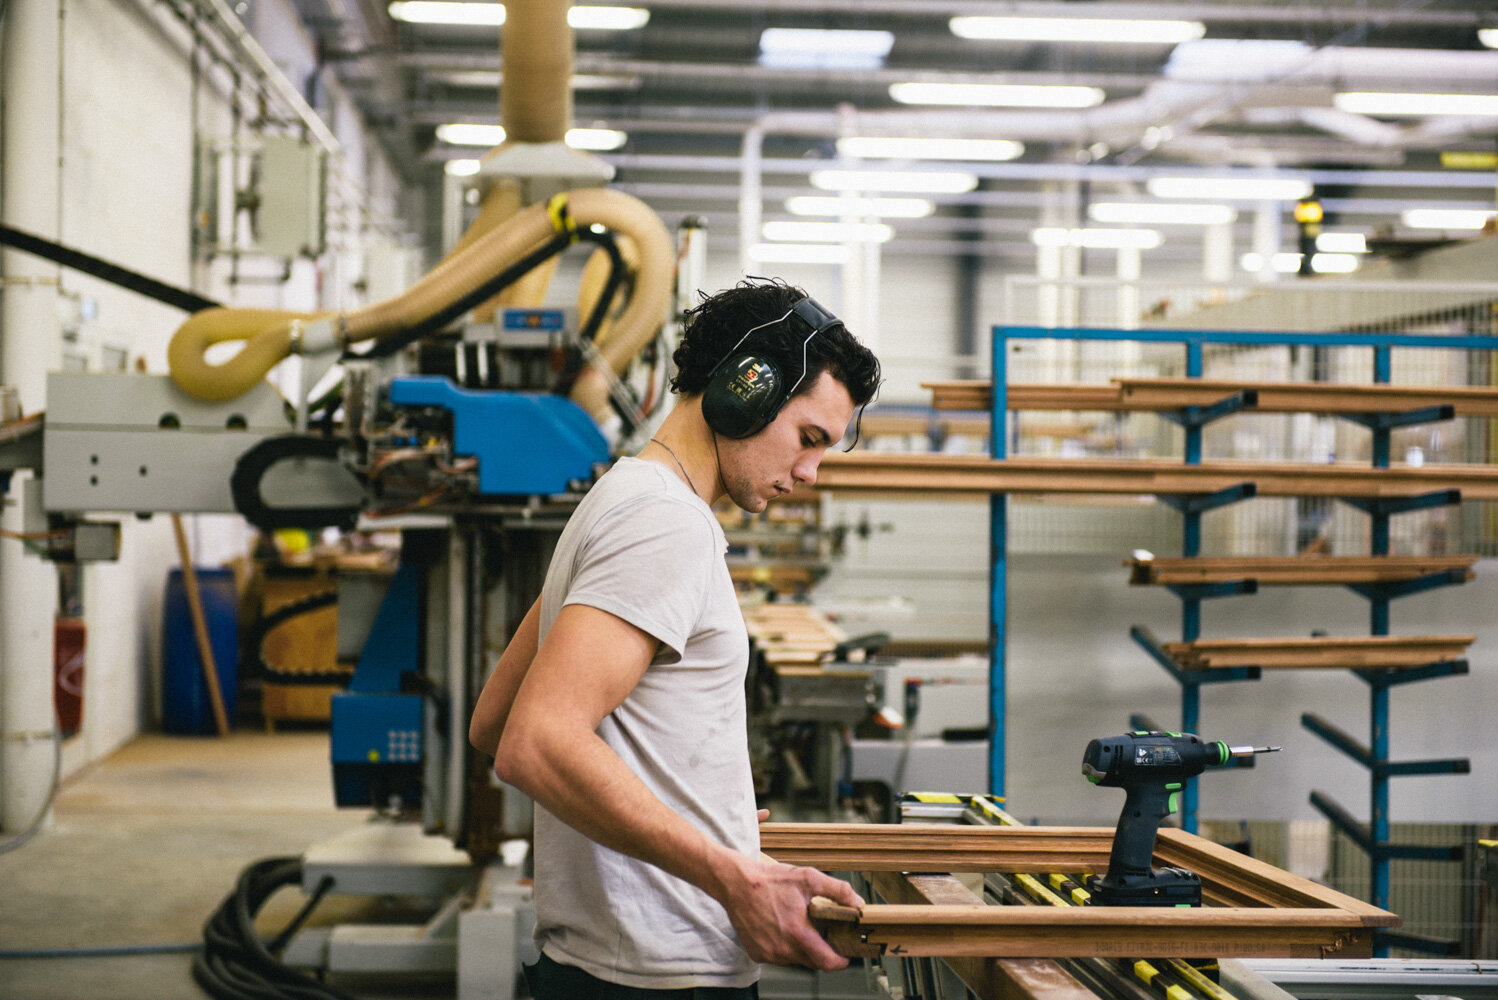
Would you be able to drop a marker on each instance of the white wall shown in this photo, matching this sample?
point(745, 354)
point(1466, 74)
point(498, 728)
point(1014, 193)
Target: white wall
point(119, 186)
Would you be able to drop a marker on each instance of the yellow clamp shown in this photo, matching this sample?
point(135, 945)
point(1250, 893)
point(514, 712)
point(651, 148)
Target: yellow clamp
point(561, 219)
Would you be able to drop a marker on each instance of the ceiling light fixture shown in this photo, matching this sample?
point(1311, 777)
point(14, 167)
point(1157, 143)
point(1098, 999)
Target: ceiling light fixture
point(881, 208)
point(800, 253)
point(1078, 29)
point(1161, 213)
point(882, 147)
point(1381, 104)
point(794, 231)
point(1095, 239)
point(461, 168)
point(908, 181)
point(1488, 37)
point(1342, 243)
point(1230, 188)
point(1284, 263)
point(1446, 218)
point(488, 136)
point(824, 48)
point(996, 95)
point(493, 14)
point(1334, 263)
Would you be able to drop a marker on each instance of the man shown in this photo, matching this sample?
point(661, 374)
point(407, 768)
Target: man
point(618, 706)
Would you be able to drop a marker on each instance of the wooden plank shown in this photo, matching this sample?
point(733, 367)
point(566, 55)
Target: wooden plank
point(988, 978)
point(926, 473)
point(1319, 652)
point(1294, 570)
point(918, 847)
point(1108, 931)
point(1157, 394)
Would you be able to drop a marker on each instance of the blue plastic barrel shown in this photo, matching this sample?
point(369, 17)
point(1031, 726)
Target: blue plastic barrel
point(185, 703)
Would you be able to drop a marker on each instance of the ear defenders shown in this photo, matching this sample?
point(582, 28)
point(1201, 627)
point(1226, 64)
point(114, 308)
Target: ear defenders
point(746, 391)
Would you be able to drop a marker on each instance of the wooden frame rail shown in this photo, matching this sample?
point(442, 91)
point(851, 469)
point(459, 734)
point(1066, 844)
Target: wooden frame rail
point(1293, 570)
point(1367, 652)
point(1253, 909)
point(925, 473)
point(1156, 394)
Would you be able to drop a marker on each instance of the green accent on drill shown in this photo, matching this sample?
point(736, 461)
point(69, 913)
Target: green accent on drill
point(1173, 803)
point(1094, 778)
point(1222, 753)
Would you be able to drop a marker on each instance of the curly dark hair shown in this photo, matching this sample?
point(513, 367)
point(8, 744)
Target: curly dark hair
point(720, 320)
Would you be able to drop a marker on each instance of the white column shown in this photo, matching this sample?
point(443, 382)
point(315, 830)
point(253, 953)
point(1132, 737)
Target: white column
point(1217, 252)
point(1128, 268)
point(751, 210)
point(30, 53)
point(1268, 221)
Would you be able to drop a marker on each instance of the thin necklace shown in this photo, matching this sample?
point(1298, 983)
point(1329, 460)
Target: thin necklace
point(683, 468)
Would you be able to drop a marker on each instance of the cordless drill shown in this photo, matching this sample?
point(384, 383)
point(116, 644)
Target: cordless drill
point(1151, 768)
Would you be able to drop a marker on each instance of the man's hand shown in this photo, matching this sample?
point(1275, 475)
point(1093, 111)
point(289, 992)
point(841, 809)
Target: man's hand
point(767, 904)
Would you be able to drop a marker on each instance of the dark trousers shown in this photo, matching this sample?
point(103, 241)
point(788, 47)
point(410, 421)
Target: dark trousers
point(553, 981)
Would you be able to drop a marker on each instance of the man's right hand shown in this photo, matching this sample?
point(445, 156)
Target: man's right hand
point(767, 903)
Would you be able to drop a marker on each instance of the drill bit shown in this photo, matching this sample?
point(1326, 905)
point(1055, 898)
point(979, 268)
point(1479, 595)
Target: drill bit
point(1249, 751)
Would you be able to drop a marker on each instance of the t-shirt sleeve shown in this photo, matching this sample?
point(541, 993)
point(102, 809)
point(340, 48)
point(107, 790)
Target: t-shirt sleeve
point(647, 562)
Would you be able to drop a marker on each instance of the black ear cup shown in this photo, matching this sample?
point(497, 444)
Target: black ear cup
point(744, 394)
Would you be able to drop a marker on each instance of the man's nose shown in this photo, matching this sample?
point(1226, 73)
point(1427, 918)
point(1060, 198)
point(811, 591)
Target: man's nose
point(805, 471)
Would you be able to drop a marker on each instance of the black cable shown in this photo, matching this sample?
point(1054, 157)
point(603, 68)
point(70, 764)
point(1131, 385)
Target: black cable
point(235, 963)
point(182, 298)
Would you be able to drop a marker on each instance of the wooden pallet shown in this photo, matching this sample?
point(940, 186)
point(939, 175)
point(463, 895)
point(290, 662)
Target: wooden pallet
point(1252, 908)
point(1368, 652)
point(928, 474)
point(1294, 570)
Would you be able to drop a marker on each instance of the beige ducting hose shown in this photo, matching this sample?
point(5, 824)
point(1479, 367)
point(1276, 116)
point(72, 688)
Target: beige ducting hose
point(535, 93)
point(269, 333)
point(595, 278)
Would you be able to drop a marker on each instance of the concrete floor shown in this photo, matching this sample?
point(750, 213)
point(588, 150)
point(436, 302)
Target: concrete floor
point(145, 845)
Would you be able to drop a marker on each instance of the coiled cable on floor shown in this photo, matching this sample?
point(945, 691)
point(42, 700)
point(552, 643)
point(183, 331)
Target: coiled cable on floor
point(235, 963)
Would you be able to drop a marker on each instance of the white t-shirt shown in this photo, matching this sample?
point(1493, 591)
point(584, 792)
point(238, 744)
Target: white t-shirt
point(644, 547)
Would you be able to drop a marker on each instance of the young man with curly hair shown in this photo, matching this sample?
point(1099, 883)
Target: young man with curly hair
point(618, 706)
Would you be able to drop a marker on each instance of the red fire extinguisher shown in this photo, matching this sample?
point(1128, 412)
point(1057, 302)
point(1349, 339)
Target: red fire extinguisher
point(68, 642)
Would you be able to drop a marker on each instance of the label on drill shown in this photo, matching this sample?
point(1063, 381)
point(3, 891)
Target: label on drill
point(1148, 754)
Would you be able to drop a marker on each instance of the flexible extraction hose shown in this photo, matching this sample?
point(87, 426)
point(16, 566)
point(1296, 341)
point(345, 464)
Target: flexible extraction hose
point(269, 335)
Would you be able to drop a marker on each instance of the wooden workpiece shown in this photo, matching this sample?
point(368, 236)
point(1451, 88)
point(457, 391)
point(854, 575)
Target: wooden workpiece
point(792, 637)
point(1293, 570)
point(1367, 652)
point(1158, 394)
point(1273, 912)
point(926, 473)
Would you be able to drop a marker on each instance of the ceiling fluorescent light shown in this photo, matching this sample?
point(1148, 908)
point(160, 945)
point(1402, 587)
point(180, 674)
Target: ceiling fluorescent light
point(471, 134)
point(461, 168)
point(1488, 37)
point(1284, 263)
point(908, 181)
point(1446, 218)
point(881, 147)
point(827, 232)
point(597, 140)
point(493, 14)
point(1334, 263)
point(800, 253)
point(824, 48)
point(447, 12)
point(1160, 213)
point(879, 208)
point(608, 18)
point(1078, 29)
point(996, 95)
point(488, 136)
point(1230, 188)
point(1383, 105)
point(1096, 239)
point(1342, 243)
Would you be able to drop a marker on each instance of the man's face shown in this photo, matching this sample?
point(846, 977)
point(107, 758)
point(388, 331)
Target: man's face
point(769, 464)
